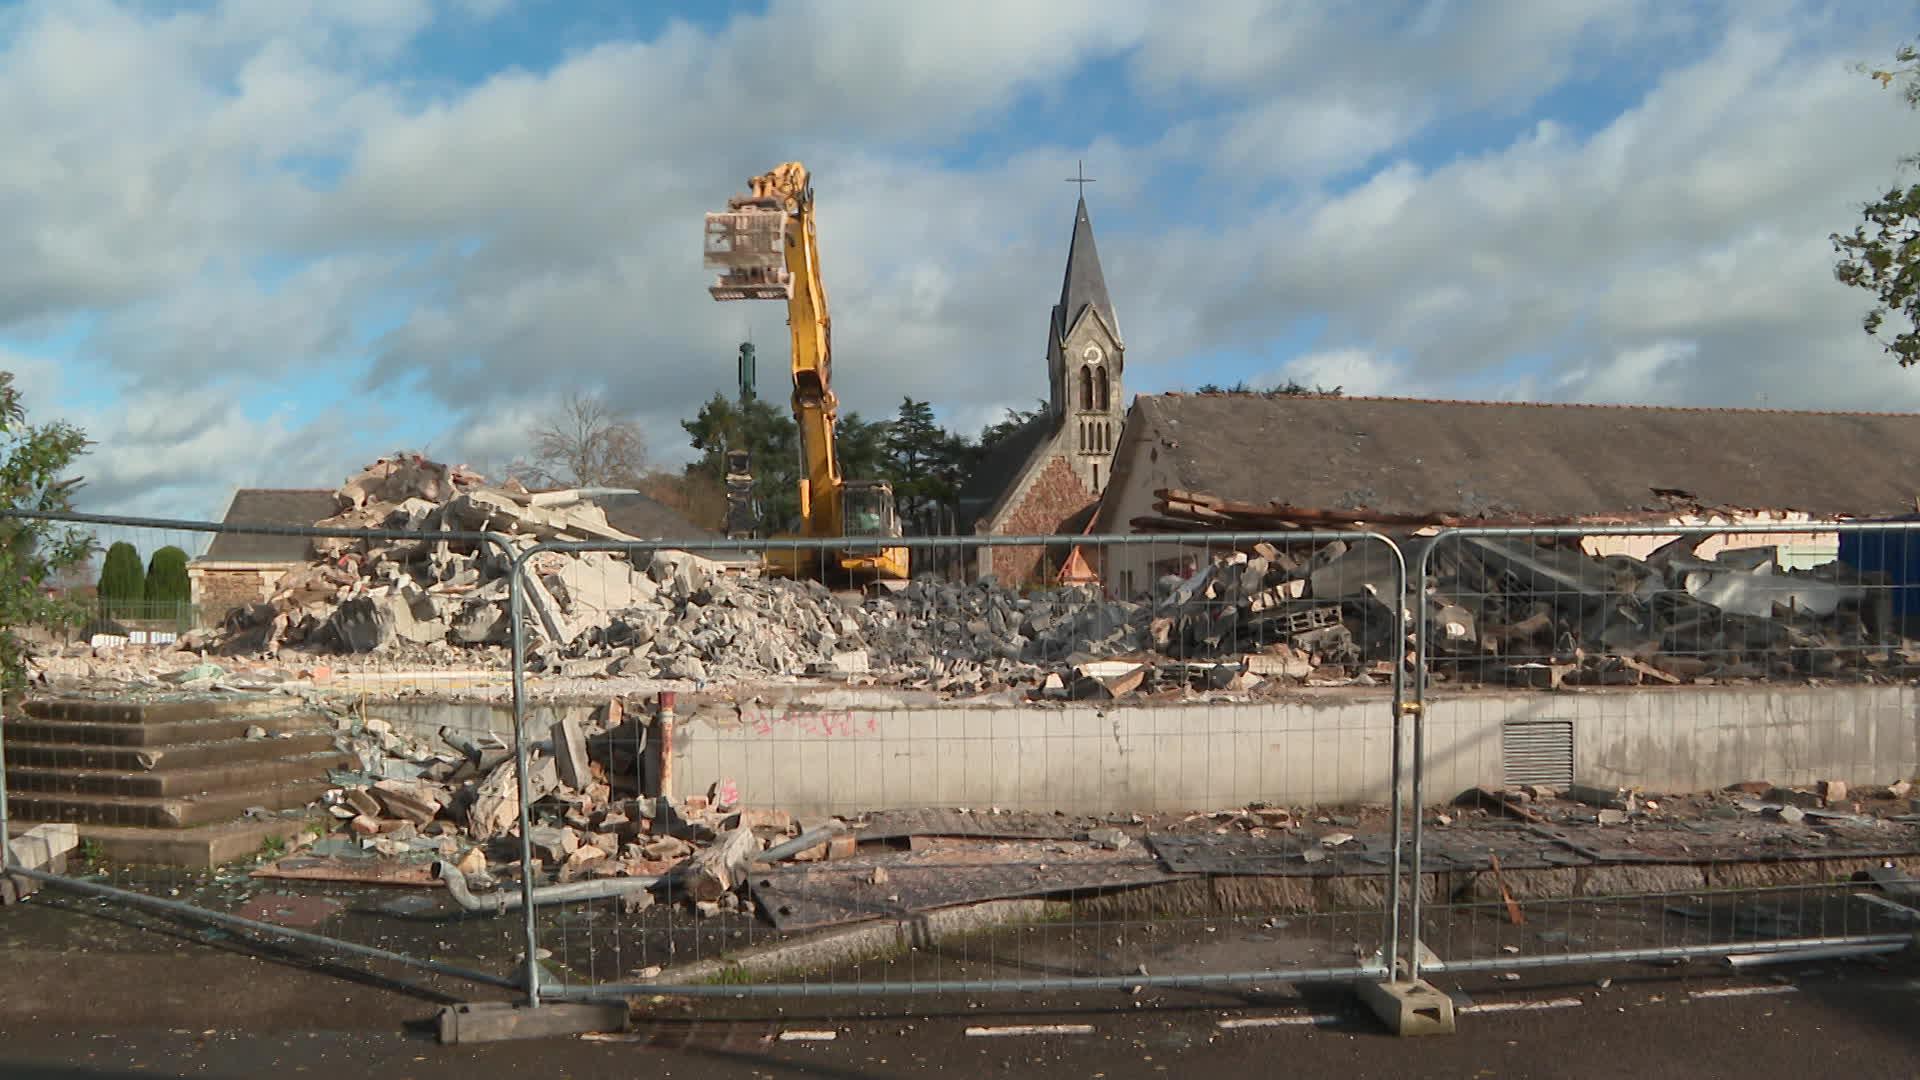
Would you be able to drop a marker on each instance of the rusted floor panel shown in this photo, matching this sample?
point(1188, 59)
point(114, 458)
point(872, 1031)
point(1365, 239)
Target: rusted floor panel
point(826, 894)
point(897, 824)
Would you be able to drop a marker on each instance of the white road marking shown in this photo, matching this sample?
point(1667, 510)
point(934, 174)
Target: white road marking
point(1315, 1020)
point(1031, 1029)
point(809, 1036)
point(1743, 991)
point(1521, 1006)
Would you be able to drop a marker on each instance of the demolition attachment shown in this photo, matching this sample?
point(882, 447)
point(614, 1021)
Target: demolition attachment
point(747, 242)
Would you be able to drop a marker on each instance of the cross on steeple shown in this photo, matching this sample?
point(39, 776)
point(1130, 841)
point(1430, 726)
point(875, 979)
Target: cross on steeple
point(1082, 179)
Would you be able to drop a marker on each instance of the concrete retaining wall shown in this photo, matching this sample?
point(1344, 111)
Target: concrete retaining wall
point(844, 756)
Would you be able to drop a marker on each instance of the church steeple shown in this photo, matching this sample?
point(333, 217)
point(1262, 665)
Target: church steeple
point(1085, 359)
point(1085, 285)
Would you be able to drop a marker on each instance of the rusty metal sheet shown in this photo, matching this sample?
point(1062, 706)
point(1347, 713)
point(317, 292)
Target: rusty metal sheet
point(809, 896)
point(300, 912)
point(896, 824)
point(351, 871)
point(1243, 855)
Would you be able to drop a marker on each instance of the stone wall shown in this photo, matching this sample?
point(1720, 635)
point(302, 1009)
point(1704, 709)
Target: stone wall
point(1053, 495)
point(219, 589)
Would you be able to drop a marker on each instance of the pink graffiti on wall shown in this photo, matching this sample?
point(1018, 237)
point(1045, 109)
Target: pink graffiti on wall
point(823, 723)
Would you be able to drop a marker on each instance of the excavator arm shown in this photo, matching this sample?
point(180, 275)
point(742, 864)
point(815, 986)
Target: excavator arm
point(766, 247)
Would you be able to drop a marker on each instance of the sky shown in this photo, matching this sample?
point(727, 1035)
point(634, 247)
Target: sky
point(260, 243)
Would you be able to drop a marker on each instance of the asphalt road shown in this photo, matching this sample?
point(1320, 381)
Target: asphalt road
point(197, 1010)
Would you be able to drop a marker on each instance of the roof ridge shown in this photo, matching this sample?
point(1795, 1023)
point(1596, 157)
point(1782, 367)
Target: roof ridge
point(1744, 410)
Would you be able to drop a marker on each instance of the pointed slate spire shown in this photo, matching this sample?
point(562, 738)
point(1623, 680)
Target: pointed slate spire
point(1085, 284)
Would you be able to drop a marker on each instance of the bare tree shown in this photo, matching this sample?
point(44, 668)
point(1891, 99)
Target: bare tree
point(584, 444)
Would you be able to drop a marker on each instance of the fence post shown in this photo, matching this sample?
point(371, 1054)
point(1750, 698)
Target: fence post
point(1418, 710)
point(516, 614)
point(1411, 1006)
point(1396, 804)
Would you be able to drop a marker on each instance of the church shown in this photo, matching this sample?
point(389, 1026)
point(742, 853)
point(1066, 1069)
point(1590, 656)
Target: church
point(1047, 476)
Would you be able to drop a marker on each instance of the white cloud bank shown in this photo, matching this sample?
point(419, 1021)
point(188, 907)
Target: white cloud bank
point(239, 195)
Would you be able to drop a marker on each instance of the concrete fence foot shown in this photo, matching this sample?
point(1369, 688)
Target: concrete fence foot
point(1410, 1008)
point(496, 1021)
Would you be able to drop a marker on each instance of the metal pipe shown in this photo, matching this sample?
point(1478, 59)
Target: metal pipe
point(1836, 952)
point(1795, 948)
point(175, 907)
point(506, 900)
point(806, 841)
point(1210, 539)
point(663, 718)
point(1222, 980)
point(517, 614)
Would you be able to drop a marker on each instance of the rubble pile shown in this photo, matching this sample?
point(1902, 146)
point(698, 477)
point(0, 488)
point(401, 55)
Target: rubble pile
point(669, 614)
point(457, 800)
point(1521, 613)
point(1827, 804)
point(1510, 611)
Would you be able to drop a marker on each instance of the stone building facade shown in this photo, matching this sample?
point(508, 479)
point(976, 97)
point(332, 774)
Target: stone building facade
point(241, 568)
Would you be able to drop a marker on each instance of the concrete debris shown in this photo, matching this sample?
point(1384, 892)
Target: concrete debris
point(1549, 617)
point(715, 872)
point(1500, 611)
point(570, 754)
point(591, 817)
point(665, 614)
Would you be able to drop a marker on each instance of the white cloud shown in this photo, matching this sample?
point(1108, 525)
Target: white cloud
point(1309, 138)
point(1700, 214)
point(238, 193)
point(1634, 376)
point(1354, 372)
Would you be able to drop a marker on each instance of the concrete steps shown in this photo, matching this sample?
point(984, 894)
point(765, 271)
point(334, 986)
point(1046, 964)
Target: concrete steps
point(169, 779)
point(161, 812)
point(25, 780)
point(28, 730)
point(168, 758)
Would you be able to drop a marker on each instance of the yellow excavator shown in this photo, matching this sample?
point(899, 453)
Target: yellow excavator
point(765, 248)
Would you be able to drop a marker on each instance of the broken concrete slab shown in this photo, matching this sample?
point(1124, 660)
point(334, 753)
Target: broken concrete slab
point(496, 803)
point(570, 753)
point(716, 871)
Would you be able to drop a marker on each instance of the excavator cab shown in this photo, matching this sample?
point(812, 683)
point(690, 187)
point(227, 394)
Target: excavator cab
point(868, 509)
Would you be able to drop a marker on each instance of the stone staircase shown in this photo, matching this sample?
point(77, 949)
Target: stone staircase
point(168, 780)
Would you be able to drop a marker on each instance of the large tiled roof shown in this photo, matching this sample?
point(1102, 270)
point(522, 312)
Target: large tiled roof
point(1488, 459)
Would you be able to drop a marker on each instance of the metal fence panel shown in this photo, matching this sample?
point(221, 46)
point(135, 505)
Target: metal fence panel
point(1655, 743)
point(1179, 769)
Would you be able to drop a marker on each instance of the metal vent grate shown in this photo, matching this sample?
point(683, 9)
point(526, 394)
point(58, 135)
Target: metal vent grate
point(1537, 752)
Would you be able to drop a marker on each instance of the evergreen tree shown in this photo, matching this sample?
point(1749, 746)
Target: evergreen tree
point(769, 435)
point(865, 448)
point(123, 583)
point(167, 589)
point(928, 462)
point(1007, 425)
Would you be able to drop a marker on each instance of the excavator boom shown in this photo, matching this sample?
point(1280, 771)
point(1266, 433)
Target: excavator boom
point(764, 246)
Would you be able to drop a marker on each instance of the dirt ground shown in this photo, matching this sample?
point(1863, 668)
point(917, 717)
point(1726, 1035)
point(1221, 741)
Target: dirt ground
point(103, 994)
